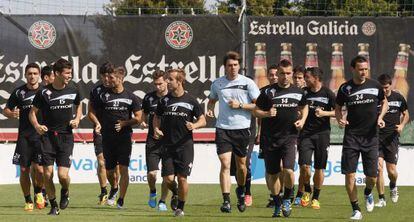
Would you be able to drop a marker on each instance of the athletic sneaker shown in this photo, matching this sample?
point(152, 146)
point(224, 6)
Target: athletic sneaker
point(304, 201)
point(39, 200)
point(356, 215)
point(103, 198)
point(248, 200)
point(174, 202)
point(381, 203)
point(28, 206)
point(394, 195)
point(120, 203)
point(112, 197)
point(162, 207)
point(225, 207)
point(241, 205)
point(297, 201)
point(277, 212)
point(178, 213)
point(64, 200)
point(54, 211)
point(152, 201)
point(369, 202)
point(315, 204)
point(286, 207)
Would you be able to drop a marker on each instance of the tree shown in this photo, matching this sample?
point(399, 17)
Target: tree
point(254, 7)
point(134, 7)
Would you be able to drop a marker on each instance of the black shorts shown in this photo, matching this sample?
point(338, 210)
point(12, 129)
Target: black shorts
point(264, 143)
point(233, 167)
point(178, 159)
point(97, 142)
point(280, 150)
point(236, 141)
point(354, 145)
point(116, 149)
point(57, 147)
point(388, 148)
point(153, 154)
point(316, 144)
point(28, 150)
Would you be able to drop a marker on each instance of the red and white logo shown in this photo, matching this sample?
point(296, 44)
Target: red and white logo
point(179, 35)
point(42, 34)
point(369, 28)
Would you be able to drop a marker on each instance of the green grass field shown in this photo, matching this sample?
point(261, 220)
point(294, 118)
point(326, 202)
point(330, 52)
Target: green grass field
point(203, 205)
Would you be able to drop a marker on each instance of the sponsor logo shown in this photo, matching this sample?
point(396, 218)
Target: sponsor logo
point(179, 35)
point(369, 28)
point(42, 34)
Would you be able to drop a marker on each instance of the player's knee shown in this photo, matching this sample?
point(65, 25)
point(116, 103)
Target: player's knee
point(24, 170)
point(182, 178)
point(63, 175)
point(152, 174)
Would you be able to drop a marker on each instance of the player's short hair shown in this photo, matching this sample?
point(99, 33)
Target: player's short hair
point(299, 69)
point(273, 66)
point(231, 55)
point(119, 71)
point(31, 65)
point(61, 64)
point(46, 71)
point(107, 67)
point(385, 79)
point(180, 74)
point(284, 63)
point(358, 59)
point(158, 74)
point(315, 72)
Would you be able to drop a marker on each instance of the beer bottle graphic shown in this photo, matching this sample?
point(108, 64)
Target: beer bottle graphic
point(260, 65)
point(363, 50)
point(399, 82)
point(337, 67)
point(286, 52)
point(311, 59)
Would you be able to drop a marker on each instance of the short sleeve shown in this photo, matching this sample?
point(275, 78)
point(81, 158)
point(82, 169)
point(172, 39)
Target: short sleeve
point(77, 98)
point(160, 107)
point(213, 91)
point(331, 99)
point(136, 106)
point(197, 110)
point(381, 95)
point(340, 97)
point(264, 102)
point(145, 106)
point(302, 101)
point(38, 100)
point(404, 105)
point(253, 90)
point(13, 100)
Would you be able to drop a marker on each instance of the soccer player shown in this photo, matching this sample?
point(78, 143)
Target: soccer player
point(395, 119)
point(299, 76)
point(263, 126)
point(117, 105)
point(95, 115)
point(236, 95)
point(314, 138)
point(360, 96)
point(177, 115)
point(281, 103)
point(56, 103)
point(47, 75)
point(28, 146)
point(153, 149)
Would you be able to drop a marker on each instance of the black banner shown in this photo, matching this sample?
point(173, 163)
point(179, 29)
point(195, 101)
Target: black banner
point(143, 44)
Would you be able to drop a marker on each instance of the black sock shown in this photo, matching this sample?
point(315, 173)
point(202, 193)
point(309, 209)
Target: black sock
point(392, 185)
point(299, 194)
point(174, 188)
point(120, 201)
point(367, 191)
point(114, 190)
point(53, 203)
point(286, 194)
point(381, 196)
point(316, 192)
point(180, 204)
point(153, 191)
point(64, 192)
point(241, 190)
point(161, 201)
point(226, 197)
point(355, 205)
point(248, 183)
point(103, 190)
point(292, 193)
point(44, 192)
point(308, 188)
point(37, 190)
point(277, 200)
point(28, 199)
